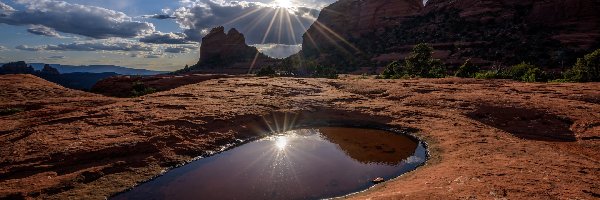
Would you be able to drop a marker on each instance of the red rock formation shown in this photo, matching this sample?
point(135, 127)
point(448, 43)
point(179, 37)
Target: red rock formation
point(491, 32)
point(228, 54)
point(217, 46)
point(352, 18)
point(578, 21)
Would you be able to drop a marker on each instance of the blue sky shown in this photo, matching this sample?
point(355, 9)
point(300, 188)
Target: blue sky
point(150, 34)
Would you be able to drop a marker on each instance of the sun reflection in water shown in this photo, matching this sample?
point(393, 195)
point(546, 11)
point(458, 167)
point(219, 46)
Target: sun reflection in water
point(281, 142)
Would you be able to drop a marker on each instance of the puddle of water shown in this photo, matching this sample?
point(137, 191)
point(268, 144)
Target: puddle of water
point(309, 163)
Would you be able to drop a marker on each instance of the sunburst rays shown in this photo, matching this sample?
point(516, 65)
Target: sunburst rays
point(283, 22)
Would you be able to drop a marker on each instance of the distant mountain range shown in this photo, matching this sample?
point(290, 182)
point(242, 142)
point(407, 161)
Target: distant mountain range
point(64, 69)
point(74, 77)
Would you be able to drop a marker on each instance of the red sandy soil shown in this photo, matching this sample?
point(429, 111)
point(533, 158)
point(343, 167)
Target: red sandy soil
point(488, 139)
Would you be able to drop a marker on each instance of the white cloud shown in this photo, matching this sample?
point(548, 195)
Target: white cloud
point(90, 21)
point(278, 50)
point(165, 38)
point(42, 30)
point(258, 21)
point(6, 8)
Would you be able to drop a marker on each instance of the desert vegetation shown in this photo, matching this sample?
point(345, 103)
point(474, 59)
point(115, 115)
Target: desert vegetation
point(420, 63)
point(140, 89)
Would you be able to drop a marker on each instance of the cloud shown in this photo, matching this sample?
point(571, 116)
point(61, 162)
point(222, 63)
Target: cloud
point(2, 48)
point(153, 56)
point(90, 21)
point(56, 57)
point(165, 38)
point(278, 50)
point(180, 49)
point(261, 23)
point(91, 46)
point(158, 16)
point(42, 30)
point(28, 48)
point(6, 8)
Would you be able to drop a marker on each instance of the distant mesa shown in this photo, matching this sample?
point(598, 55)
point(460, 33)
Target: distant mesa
point(228, 53)
point(17, 68)
point(74, 80)
point(49, 70)
point(63, 69)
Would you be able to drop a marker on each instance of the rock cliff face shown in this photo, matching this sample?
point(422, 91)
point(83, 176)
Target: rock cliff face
point(222, 52)
point(576, 22)
point(353, 18)
point(491, 32)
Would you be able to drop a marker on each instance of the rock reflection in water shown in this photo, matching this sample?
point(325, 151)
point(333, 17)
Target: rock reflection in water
point(370, 145)
point(300, 164)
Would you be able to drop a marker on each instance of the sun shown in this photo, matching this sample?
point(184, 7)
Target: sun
point(284, 4)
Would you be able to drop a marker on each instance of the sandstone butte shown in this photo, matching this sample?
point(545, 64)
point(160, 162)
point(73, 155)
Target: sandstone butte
point(488, 139)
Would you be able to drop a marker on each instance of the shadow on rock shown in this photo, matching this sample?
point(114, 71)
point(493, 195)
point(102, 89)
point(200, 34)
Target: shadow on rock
point(526, 123)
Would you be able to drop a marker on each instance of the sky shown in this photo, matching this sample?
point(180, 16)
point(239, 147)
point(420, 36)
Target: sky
point(150, 34)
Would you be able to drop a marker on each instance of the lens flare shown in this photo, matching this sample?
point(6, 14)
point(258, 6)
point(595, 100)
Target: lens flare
point(281, 142)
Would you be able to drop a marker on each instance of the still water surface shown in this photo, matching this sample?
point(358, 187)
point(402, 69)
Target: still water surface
point(310, 163)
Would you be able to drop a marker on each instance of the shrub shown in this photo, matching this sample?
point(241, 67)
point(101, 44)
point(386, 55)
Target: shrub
point(526, 72)
point(139, 89)
point(467, 70)
point(266, 71)
point(489, 75)
point(320, 71)
point(419, 63)
point(391, 70)
point(587, 69)
point(534, 75)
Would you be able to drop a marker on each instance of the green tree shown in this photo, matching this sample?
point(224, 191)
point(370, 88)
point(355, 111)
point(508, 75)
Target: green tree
point(467, 70)
point(587, 69)
point(266, 71)
point(526, 72)
point(420, 62)
point(140, 89)
point(392, 70)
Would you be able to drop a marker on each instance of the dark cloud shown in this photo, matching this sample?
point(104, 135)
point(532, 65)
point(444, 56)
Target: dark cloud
point(259, 22)
point(90, 21)
point(101, 46)
point(28, 48)
point(278, 50)
point(42, 30)
point(159, 16)
point(180, 49)
point(165, 38)
point(56, 57)
point(153, 56)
